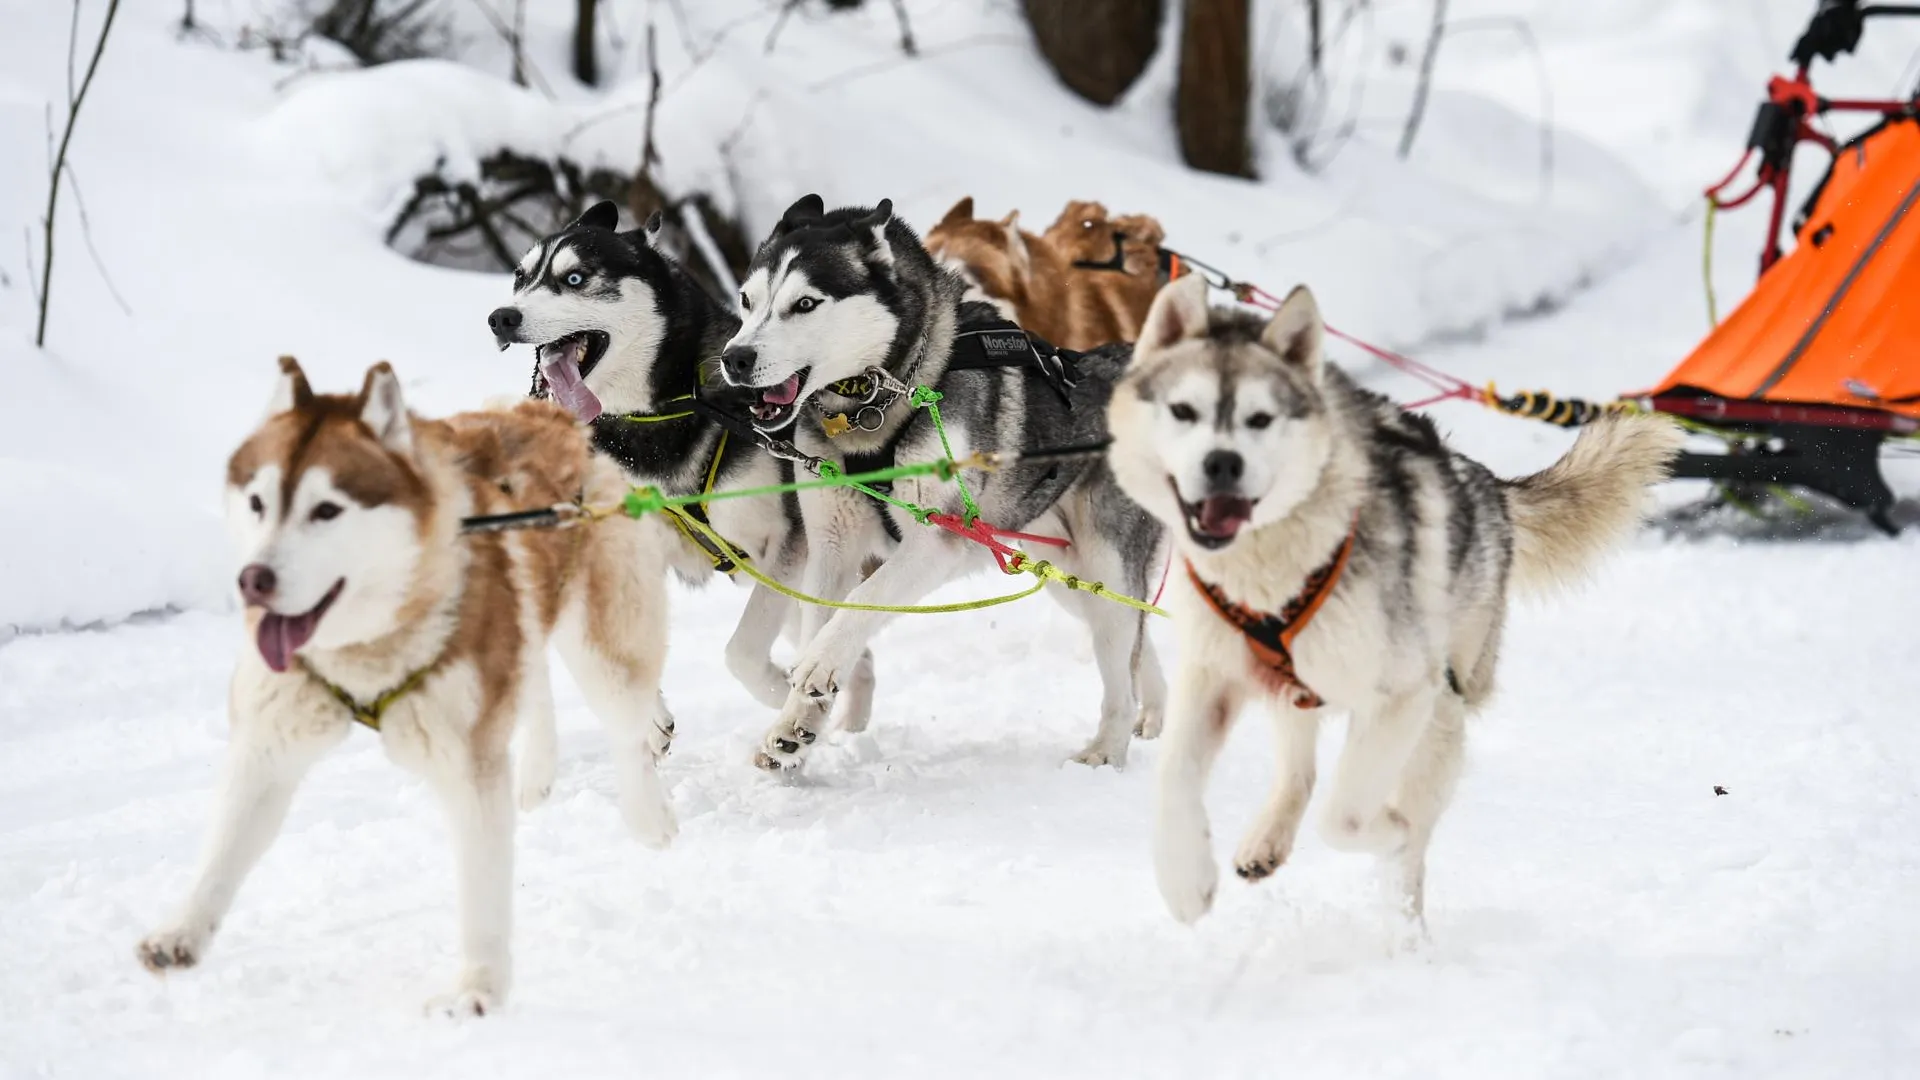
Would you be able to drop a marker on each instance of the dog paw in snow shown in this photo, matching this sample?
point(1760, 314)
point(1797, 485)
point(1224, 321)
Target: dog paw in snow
point(169, 950)
point(1099, 753)
point(478, 993)
point(1187, 875)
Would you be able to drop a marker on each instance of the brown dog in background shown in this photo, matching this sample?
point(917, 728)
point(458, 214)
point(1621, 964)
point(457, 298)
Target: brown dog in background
point(1034, 279)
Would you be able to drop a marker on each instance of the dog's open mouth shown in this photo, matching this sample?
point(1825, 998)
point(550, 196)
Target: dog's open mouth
point(1214, 521)
point(561, 370)
point(773, 407)
point(280, 636)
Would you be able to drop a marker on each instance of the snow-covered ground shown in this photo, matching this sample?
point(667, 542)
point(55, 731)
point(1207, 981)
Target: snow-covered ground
point(941, 896)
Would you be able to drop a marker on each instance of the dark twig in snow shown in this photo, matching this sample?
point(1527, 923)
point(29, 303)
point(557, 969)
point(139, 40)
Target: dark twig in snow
point(779, 23)
point(86, 233)
point(58, 168)
point(1421, 88)
point(520, 63)
point(906, 28)
point(648, 155)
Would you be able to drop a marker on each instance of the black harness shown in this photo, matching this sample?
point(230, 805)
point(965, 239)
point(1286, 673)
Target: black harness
point(981, 344)
point(1169, 260)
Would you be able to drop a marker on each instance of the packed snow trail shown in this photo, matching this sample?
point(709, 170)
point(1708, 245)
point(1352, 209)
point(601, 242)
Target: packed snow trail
point(943, 896)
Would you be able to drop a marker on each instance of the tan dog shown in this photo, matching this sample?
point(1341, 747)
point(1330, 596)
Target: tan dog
point(366, 602)
point(1033, 279)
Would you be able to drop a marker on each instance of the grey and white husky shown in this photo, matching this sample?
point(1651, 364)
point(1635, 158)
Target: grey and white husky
point(623, 338)
point(1337, 555)
point(834, 295)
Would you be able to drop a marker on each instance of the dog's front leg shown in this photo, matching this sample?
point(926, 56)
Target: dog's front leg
point(1296, 732)
point(1199, 716)
point(264, 766)
point(927, 559)
point(749, 650)
point(479, 806)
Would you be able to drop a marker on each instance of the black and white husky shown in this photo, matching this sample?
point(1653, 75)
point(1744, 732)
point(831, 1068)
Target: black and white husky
point(623, 338)
point(834, 296)
point(1336, 554)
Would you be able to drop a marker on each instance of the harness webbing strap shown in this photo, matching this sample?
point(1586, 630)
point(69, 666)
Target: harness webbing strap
point(1270, 635)
point(369, 714)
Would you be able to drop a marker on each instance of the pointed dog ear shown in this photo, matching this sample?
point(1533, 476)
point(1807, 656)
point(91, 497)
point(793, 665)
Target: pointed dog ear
point(1016, 244)
point(805, 210)
point(601, 215)
point(291, 391)
point(961, 213)
point(1179, 312)
point(384, 411)
point(1295, 332)
point(875, 222)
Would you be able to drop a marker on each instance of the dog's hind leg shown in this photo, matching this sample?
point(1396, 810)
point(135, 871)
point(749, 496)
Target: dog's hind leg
point(539, 756)
point(750, 649)
point(263, 767)
point(1380, 740)
point(1425, 789)
point(479, 803)
point(1199, 716)
point(1118, 634)
point(616, 653)
point(1150, 683)
point(1268, 843)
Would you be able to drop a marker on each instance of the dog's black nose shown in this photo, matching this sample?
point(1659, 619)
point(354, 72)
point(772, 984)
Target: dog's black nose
point(1223, 469)
point(257, 583)
point(737, 362)
point(505, 323)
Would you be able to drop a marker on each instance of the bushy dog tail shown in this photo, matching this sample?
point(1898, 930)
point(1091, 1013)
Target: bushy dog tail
point(1569, 514)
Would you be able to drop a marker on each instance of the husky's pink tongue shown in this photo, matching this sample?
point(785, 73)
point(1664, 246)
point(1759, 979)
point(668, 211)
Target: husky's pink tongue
point(561, 366)
point(280, 636)
point(1223, 515)
point(784, 393)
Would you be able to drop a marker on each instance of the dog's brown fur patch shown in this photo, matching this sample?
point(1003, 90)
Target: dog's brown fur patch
point(1073, 307)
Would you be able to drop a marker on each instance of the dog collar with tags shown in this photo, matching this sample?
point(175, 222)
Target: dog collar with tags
point(369, 714)
point(1270, 636)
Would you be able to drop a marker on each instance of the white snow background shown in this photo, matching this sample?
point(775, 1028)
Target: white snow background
point(941, 896)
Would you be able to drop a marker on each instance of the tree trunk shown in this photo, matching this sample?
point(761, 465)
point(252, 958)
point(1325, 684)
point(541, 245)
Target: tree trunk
point(1097, 54)
point(586, 65)
point(1214, 101)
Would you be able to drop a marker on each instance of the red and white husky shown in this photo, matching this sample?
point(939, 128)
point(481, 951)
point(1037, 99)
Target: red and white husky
point(365, 601)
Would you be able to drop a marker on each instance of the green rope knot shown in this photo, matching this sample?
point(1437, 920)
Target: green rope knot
point(925, 397)
point(643, 500)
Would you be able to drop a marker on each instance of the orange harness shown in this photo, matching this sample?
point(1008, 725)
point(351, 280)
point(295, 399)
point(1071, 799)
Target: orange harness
point(1270, 636)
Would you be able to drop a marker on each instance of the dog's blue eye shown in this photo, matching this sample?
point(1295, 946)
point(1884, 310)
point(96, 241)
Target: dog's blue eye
point(575, 280)
point(326, 511)
point(804, 305)
point(1184, 413)
point(1259, 420)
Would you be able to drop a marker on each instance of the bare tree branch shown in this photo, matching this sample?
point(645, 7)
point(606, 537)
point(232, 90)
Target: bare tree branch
point(1421, 88)
point(86, 233)
point(508, 35)
point(60, 162)
point(906, 28)
point(586, 63)
point(648, 155)
point(779, 23)
point(1316, 46)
